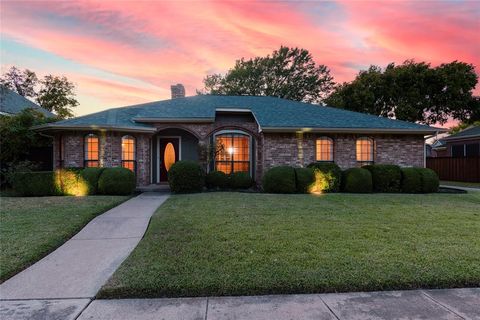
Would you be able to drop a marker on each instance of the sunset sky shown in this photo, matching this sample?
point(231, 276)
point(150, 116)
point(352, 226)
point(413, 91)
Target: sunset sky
point(125, 52)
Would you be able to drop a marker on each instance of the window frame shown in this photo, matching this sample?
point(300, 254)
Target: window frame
point(332, 150)
point(234, 133)
point(134, 161)
point(87, 162)
point(362, 163)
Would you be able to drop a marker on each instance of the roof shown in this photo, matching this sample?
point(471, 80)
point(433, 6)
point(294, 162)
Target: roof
point(470, 132)
point(272, 114)
point(13, 103)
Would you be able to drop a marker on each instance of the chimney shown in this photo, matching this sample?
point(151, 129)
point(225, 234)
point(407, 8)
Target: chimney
point(178, 91)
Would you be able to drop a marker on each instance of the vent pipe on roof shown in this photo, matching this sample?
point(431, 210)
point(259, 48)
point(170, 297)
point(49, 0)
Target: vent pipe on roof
point(178, 91)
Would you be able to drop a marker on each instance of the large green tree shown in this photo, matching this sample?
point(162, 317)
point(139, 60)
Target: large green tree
point(56, 94)
point(288, 73)
point(412, 91)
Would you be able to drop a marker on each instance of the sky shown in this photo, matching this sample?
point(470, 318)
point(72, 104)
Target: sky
point(127, 52)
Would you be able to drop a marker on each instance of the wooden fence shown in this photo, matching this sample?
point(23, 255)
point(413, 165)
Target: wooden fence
point(456, 169)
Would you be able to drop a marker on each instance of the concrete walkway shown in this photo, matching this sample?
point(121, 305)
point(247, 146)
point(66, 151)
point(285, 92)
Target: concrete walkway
point(77, 269)
point(460, 188)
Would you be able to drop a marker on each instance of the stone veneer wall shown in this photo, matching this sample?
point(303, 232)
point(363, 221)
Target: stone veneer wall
point(299, 149)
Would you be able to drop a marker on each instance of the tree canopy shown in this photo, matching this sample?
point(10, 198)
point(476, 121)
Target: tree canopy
point(412, 91)
point(288, 73)
point(54, 93)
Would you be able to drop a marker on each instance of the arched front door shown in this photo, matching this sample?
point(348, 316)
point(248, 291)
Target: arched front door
point(169, 153)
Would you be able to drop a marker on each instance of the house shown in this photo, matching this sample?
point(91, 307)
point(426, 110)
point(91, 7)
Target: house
point(465, 143)
point(255, 133)
point(12, 103)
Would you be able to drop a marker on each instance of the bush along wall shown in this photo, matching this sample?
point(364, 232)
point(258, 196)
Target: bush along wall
point(116, 181)
point(91, 177)
point(70, 182)
point(430, 180)
point(304, 180)
point(411, 180)
point(240, 180)
point(279, 180)
point(328, 176)
point(35, 184)
point(357, 180)
point(216, 180)
point(186, 177)
point(385, 177)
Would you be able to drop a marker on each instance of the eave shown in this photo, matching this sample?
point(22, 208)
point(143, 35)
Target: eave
point(353, 130)
point(52, 127)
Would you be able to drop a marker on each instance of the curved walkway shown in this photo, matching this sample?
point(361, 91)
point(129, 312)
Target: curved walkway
point(77, 269)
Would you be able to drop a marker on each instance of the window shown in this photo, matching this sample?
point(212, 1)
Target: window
point(364, 150)
point(91, 150)
point(128, 152)
point(472, 150)
point(458, 150)
point(233, 153)
point(324, 149)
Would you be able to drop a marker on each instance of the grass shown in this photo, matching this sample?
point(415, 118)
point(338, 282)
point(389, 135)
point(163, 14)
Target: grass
point(245, 244)
point(461, 184)
point(30, 228)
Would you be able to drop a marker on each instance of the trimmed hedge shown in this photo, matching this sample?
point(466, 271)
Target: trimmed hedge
point(385, 177)
point(91, 177)
point(216, 180)
point(279, 180)
point(357, 180)
point(328, 176)
point(70, 182)
point(42, 183)
point(411, 180)
point(304, 179)
point(116, 181)
point(430, 180)
point(240, 180)
point(186, 177)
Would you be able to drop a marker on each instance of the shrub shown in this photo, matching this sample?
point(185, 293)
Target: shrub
point(40, 183)
point(279, 180)
point(186, 177)
point(304, 179)
point(116, 181)
point(216, 180)
point(357, 180)
point(240, 180)
point(411, 180)
point(70, 182)
point(328, 176)
point(430, 180)
point(385, 177)
point(90, 177)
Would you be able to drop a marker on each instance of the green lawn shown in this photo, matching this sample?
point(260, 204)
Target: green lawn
point(461, 184)
point(244, 244)
point(30, 228)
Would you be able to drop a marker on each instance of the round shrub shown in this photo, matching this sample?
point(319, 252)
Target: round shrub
point(385, 177)
point(90, 176)
point(70, 182)
point(328, 176)
point(357, 180)
point(304, 179)
point(411, 180)
point(430, 180)
point(186, 177)
point(279, 180)
point(216, 180)
point(240, 180)
point(116, 181)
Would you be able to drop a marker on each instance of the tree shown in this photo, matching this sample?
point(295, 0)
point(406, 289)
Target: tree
point(56, 94)
point(412, 91)
point(288, 73)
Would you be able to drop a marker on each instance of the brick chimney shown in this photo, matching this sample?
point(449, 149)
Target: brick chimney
point(178, 91)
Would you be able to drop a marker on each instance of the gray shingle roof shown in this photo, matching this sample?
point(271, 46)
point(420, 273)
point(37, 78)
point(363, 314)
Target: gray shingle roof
point(473, 131)
point(13, 103)
point(270, 112)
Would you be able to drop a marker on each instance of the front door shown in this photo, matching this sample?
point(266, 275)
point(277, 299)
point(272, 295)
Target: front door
point(169, 154)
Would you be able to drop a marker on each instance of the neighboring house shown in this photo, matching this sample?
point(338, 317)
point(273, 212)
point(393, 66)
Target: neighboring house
point(465, 143)
point(256, 133)
point(12, 103)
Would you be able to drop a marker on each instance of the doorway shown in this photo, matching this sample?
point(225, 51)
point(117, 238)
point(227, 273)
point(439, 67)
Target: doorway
point(168, 154)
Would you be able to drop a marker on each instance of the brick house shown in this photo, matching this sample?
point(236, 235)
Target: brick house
point(248, 133)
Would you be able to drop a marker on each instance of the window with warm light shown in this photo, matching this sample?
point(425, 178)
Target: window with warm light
point(365, 149)
point(128, 152)
point(324, 149)
point(234, 153)
point(91, 150)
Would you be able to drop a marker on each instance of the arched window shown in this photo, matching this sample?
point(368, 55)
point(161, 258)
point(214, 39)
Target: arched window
point(365, 150)
point(128, 152)
point(232, 152)
point(91, 150)
point(324, 149)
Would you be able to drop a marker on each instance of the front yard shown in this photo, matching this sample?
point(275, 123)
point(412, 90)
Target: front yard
point(244, 244)
point(32, 227)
